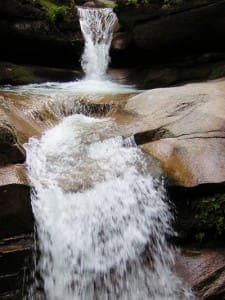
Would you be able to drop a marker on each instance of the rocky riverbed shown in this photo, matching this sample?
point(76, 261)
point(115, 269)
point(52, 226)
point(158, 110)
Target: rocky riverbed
point(181, 127)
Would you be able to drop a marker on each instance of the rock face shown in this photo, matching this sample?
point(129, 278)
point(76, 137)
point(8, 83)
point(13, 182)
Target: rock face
point(15, 258)
point(190, 70)
point(10, 150)
point(184, 128)
point(16, 218)
point(38, 32)
point(191, 28)
point(204, 270)
point(22, 74)
point(16, 213)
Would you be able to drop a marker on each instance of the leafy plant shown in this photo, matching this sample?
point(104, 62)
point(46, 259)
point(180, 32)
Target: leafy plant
point(210, 215)
point(52, 9)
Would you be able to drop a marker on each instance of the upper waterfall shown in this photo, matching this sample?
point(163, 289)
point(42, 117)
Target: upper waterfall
point(97, 27)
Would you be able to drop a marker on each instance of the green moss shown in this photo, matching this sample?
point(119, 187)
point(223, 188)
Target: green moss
point(52, 9)
point(210, 217)
point(23, 74)
point(217, 73)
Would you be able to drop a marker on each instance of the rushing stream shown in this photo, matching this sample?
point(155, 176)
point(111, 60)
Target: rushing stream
point(102, 220)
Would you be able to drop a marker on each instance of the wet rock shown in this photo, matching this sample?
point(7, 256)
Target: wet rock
point(204, 271)
point(15, 207)
point(10, 150)
point(21, 74)
point(15, 260)
point(185, 128)
point(120, 41)
point(16, 110)
point(172, 74)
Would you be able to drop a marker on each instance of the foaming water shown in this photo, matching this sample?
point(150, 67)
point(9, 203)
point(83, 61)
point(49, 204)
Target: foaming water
point(81, 87)
point(97, 27)
point(102, 220)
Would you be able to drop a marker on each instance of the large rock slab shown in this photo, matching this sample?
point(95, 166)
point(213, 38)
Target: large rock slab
point(184, 128)
point(182, 33)
point(161, 34)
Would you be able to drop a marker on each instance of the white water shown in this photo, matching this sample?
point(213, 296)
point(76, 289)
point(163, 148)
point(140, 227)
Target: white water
point(97, 27)
point(102, 220)
point(82, 87)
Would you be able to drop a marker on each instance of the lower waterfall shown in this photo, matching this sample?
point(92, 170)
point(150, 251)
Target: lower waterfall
point(102, 221)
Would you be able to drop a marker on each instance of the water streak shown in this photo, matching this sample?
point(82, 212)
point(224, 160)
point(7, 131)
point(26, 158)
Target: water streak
point(102, 220)
point(97, 28)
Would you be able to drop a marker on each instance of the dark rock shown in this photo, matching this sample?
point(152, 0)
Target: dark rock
point(23, 9)
point(163, 35)
point(32, 34)
point(15, 207)
point(23, 74)
point(15, 263)
point(10, 150)
point(173, 74)
point(195, 30)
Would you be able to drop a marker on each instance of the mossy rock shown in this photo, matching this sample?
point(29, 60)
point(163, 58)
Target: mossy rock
point(25, 74)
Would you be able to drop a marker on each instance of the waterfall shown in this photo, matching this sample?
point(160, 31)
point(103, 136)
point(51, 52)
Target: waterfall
point(97, 27)
point(102, 220)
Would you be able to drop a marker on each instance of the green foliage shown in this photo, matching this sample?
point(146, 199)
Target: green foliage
point(217, 73)
point(52, 9)
point(210, 216)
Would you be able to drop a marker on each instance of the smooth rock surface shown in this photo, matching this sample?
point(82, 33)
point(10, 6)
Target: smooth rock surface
point(185, 128)
point(16, 110)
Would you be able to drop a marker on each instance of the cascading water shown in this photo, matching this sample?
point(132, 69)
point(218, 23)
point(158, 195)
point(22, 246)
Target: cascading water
point(97, 28)
point(102, 220)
